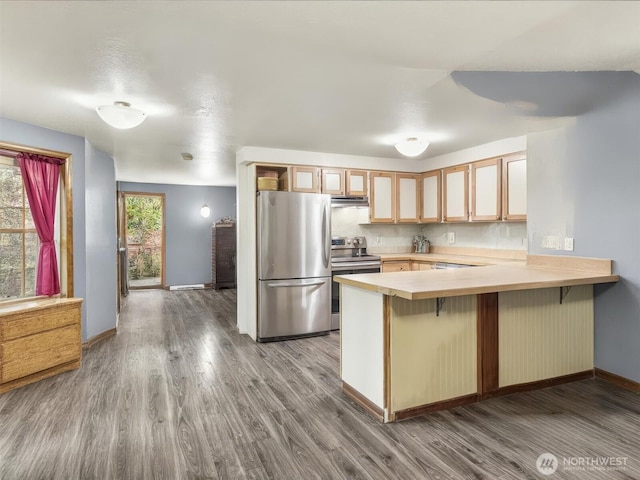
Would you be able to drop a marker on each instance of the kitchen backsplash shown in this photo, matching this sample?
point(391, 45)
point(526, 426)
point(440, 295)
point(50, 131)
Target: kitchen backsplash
point(398, 238)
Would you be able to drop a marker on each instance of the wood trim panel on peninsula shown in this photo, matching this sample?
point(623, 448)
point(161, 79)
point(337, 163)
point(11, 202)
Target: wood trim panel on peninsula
point(488, 355)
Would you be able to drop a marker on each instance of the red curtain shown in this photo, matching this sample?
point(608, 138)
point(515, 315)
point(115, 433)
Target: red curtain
point(40, 176)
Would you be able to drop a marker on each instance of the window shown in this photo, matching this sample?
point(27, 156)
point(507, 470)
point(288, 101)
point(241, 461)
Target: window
point(19, 243)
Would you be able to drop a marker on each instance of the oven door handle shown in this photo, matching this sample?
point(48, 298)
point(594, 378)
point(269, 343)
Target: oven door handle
point(357, 266)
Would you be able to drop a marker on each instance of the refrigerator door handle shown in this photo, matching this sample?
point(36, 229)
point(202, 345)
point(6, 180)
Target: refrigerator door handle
point(278, 285)
point(326, 236)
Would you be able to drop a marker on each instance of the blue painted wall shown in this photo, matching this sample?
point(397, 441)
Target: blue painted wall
point(583, 181)
point(101, 241)
point(188, 235)
point(93, 199)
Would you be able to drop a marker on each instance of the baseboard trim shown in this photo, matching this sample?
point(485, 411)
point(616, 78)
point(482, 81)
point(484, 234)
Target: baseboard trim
point(623, 382)
point(98, 338)
point(434, 407)
point(364, 402)
point(537, 385)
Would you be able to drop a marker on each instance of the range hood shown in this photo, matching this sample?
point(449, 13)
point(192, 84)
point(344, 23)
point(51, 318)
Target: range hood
point(344, 201)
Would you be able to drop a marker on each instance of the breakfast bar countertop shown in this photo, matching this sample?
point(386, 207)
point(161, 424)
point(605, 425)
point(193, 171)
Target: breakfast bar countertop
point(484, 279)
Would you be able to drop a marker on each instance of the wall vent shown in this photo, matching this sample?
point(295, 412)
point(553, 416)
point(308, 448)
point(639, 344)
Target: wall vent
point(195, 286)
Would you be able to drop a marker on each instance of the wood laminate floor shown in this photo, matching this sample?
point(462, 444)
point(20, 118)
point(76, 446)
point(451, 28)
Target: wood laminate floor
point(179, 394)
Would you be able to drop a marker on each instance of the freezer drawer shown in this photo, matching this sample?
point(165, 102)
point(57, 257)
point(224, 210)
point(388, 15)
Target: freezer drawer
point(288, 308)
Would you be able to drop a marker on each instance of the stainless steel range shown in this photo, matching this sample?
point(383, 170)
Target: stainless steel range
point(348, 255)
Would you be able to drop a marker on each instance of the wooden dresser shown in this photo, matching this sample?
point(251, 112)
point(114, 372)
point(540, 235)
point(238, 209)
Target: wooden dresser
point(39, 339)
point(223, 255)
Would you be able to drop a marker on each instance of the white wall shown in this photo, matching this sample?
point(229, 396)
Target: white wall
point(101, 246)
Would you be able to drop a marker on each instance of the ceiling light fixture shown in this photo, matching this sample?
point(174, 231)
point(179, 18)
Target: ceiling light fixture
point(121, 115)
point(412, 146)
point(186, 156)
point(205, 211)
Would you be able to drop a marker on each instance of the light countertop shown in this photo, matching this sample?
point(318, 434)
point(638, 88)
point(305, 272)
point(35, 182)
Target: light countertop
point(474, 280)
point(35, 304)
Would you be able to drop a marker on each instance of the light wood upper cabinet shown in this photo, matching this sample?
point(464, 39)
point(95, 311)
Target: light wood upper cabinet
point(383, 196)
point(431, 197)
point(514, 187)
point(407, 197)
point(486, 199)
point(333, 181)
point(456, 194)
point(304, 179)
point(356, 183)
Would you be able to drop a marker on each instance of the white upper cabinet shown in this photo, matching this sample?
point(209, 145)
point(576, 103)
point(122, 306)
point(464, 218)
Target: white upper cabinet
point(333, 181)
point(431, 206)
point(407, 198)
point(486, 199)
point(357, 183)
point(382, 202)
point(514, 185)
point(456, 194)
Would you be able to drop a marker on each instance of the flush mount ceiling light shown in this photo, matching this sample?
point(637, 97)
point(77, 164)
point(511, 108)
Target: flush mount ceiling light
point(121, 115)
point(412, 146)
point(186, 156)
point(205, 211)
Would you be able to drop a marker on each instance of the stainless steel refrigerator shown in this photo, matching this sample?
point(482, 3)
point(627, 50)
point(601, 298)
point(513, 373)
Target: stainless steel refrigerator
point(294, 264)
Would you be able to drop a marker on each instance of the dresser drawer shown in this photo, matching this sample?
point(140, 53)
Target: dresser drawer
point(34, 353)
point(32, 322)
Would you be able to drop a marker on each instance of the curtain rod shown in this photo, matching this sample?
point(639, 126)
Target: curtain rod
point(9, 153)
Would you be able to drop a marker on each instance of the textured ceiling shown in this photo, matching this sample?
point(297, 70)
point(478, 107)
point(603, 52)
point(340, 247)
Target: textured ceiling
point(344, 77)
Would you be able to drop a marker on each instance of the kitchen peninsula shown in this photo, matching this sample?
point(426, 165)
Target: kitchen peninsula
point(415, 342)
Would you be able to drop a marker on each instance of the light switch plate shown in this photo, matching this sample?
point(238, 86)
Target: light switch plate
point(452, 237)
point(568, 244)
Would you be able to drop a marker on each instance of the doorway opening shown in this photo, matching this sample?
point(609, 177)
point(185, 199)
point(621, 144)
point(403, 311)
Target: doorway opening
point(144, 239)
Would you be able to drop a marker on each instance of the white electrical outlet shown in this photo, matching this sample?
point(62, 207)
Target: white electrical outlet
point(551, 242)
point(568, 244)
point(452, 237)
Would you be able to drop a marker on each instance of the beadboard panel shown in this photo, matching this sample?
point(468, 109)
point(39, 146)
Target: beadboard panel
point(433, 358)
point(540, 338)
point(361, 328)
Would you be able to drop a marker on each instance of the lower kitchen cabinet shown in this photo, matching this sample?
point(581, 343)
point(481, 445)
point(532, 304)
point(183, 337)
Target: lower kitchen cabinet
point(418, 265)
point(402, 266)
